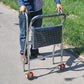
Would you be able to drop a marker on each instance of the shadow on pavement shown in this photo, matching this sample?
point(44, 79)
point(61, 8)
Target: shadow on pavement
point(52, 70)
point(68, 63)
point(1, 13)
point(79, 50)
point(16, 23)
point(70, 79)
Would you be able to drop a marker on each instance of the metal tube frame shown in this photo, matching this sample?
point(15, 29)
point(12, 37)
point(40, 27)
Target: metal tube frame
point(27, 38)
point(27, 41)
point(26, 48)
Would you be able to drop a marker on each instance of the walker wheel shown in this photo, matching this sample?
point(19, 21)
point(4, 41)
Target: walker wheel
point(29, 75)
point(60, 67)
point(63, 66)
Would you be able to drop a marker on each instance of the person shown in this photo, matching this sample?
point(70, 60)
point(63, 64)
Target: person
point(36, 7)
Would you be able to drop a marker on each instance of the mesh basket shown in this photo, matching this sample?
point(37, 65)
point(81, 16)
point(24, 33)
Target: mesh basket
point(45, 36)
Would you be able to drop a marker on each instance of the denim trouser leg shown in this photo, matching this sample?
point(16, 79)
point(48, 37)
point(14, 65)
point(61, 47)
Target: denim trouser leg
point(22, 24)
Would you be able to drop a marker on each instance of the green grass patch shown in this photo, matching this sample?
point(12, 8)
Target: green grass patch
point(73, 28)
point(12, 3)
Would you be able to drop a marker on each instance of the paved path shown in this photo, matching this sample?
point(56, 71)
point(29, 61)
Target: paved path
point(44, 72)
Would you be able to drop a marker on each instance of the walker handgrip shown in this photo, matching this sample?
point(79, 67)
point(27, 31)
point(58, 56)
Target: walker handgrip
point(61, 10)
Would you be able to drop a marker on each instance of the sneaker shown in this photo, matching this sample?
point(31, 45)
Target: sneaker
point(33, 55)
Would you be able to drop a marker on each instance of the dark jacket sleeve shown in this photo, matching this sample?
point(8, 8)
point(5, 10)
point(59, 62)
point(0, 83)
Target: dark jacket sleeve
point(57, 1)
point(20, 2)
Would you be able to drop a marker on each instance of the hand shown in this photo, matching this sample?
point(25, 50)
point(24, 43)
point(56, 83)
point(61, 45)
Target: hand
point(23, 9)
point(59, 6)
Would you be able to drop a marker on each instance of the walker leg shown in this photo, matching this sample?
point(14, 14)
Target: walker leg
point(53, 54)
point(24, 58)
point(29, 74)
point(23, 65)
point(62, 65)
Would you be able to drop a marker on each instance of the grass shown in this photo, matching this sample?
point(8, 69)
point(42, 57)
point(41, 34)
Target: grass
point(73, 28)
point(74, 24)
point(12, 3)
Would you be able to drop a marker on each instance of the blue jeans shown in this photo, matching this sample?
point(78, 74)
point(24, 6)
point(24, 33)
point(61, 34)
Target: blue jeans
point(22, 24)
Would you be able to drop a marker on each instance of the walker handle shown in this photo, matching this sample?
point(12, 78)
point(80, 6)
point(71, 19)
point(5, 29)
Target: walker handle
point(46, 16)
point(61, 10)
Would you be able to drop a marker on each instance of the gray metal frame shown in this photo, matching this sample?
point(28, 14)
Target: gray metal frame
point(27, 42)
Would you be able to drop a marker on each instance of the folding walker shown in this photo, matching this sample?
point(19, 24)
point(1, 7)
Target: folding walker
point(43, 36)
